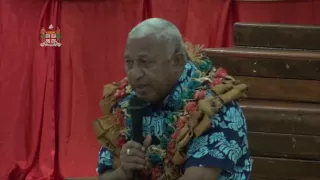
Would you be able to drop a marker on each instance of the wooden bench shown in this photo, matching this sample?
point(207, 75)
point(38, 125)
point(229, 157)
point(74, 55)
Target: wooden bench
point(281, 65)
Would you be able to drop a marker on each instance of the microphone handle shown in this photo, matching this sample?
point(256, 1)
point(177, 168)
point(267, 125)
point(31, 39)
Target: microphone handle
point(137, 137)
point(137, 175)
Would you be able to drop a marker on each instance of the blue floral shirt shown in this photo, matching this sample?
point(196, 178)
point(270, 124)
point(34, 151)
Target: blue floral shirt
point(224, 146)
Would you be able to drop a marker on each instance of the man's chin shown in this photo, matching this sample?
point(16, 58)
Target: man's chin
point(145, 97)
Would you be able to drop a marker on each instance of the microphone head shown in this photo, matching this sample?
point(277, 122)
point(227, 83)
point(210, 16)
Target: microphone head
point(135, 103)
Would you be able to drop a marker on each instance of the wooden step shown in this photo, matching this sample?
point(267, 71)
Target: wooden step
point(285, 169)
point(284, 145)
point(271, 63)
point(282, 89)
point(283, 130)
point(282, 117)
point(277, 36)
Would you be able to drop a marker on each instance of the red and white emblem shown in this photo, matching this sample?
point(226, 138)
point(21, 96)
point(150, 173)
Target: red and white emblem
point(50, 37)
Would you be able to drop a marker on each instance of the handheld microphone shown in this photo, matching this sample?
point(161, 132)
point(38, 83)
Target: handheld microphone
point(137, 109)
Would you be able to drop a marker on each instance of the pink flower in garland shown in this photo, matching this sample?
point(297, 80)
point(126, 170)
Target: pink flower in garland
point(191, 107)
point(181, 122)
point(219, 76)
point(199, 94)
point(123, 83)
point(121, 92)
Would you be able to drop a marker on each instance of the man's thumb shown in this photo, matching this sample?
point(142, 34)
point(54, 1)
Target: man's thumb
point(147, 141)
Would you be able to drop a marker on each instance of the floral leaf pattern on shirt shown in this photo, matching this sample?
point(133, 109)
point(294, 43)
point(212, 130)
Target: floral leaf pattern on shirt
point(105, 160)
point(225, 146)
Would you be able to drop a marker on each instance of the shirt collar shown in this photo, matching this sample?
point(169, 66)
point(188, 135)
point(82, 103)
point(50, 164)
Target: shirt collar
point(174, 97)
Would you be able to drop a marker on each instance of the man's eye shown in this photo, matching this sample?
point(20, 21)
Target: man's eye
point(143, 61)
point(128, 62)
point(146, 62)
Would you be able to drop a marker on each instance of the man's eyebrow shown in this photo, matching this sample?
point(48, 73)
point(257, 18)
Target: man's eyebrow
point(140, 55)
point(143, 55)
point(127, 56)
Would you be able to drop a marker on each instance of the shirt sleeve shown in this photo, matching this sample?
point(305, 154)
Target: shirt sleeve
point(105, 161)
point(224, 144)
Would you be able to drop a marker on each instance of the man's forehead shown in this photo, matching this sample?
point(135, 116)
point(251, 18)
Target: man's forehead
point(145, 33)
point(143, 45)
point(129, 55)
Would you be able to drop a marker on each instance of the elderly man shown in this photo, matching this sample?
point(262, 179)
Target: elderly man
point(193, 126)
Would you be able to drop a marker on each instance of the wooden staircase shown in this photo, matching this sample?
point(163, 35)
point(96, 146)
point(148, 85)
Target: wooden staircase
point(281, 65)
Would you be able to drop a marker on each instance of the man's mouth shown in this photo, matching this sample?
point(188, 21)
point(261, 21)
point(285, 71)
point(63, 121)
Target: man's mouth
point(141, 90)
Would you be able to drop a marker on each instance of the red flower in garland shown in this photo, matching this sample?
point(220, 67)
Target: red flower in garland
point(155, 173)
point(123, 83)
point(119, 117)
point(175, 135)
point(121, 141)
point(120, 93)
point(199, 94)
point(171, 147)
point(181, 122)
point(191, 107)
point(221, 72)
point(122, 88)
point(219, 76)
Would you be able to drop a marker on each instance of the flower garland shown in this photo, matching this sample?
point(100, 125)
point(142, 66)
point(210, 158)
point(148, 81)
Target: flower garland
point(163, 153)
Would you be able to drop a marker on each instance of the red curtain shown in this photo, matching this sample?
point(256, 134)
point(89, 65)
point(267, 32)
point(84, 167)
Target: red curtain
point(92, 34)
point(27, 91)
point(49, 96)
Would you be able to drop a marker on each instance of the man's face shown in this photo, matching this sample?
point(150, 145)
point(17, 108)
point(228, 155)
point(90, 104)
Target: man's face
point(149, 68)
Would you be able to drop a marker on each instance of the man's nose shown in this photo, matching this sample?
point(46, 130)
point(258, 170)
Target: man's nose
point(136, 73)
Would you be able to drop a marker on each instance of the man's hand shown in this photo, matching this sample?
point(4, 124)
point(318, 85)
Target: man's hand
point(201, 173)
point(133, 157)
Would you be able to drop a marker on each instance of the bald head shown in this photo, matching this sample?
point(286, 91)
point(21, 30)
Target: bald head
point(162, 30)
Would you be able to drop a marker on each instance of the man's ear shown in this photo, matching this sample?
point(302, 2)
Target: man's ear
point(178, 60)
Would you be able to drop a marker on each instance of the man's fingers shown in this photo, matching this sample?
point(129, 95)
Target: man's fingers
point(132, 144)
point(136, 160)
point(147, 141)
point(133, 166)
point(136, 152)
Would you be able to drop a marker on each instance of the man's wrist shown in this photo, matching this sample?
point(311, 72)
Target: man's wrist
point(117, 174)
point(121, 174)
